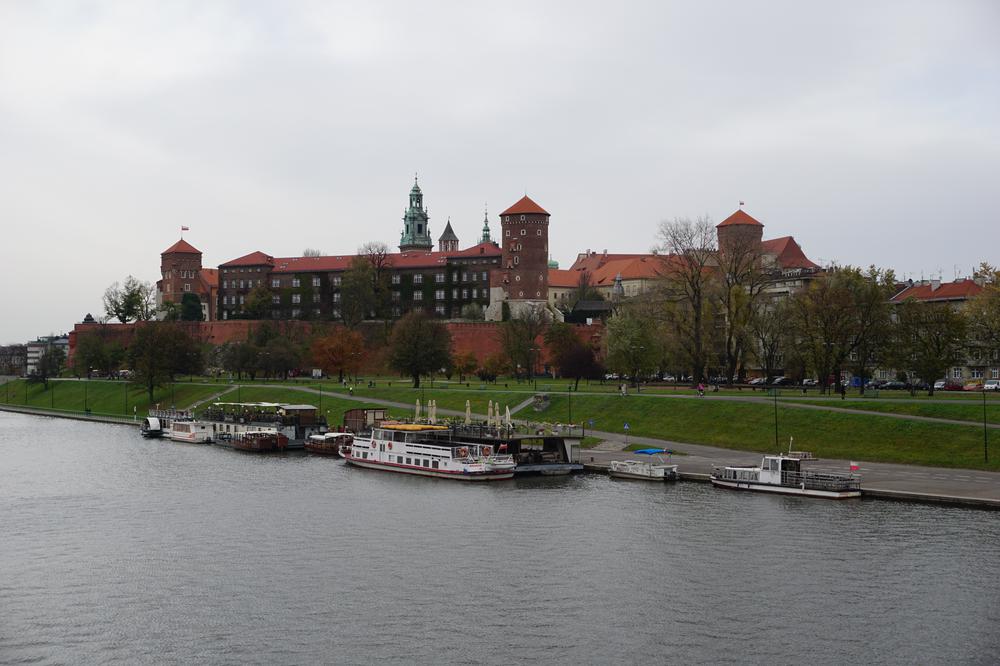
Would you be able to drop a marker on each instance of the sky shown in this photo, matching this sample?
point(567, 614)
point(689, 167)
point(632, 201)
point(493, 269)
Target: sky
point(869, 130)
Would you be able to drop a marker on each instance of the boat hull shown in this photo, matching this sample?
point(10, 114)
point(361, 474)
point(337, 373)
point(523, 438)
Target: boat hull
point(639, 477)
point(785, 490)
point(440, 474)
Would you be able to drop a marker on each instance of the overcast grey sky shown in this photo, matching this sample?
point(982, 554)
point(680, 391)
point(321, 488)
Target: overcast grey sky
point(868, 130)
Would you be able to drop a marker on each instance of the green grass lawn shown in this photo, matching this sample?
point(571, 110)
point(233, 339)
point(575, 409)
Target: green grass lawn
point(750, 426)
point(956, 410)
point(102, 397)
point(450, 398)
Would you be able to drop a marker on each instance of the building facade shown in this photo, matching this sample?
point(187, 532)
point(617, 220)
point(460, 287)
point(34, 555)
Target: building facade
point(181, 273)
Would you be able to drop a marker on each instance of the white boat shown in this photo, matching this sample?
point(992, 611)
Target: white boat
point(424, 450)
point(151, 427)
point(191, 431)
point(643, 470)
point(783, 474)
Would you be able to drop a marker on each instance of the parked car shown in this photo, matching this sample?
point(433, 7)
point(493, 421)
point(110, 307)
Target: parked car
point(781, 381)
point(875, 384)
point(992, 385)
point(951, 385)
point(757, 381)
point(973, 386)
point(919, 386)
point(810, 382)
point(939, 385)
point(894, 386)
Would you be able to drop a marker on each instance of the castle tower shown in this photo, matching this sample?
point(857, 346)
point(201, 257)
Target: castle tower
point(486, 228)
point(524, 263)
point(180, 266)
point(739, 232)
point(448, 242)
point(416, 233)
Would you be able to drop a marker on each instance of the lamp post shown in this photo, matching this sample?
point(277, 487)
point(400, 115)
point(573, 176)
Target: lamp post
point(86, 407)
point(986, 450)
point(569, 395)
point(125, 393)
point(775, 390)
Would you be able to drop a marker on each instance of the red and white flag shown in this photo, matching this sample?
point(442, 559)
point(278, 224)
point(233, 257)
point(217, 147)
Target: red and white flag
point(185, 229)
point(855, 466)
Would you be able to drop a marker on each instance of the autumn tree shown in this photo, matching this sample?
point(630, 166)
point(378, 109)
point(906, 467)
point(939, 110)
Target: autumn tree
point(465, 364)
point(131, 301)
point(688, 251)
point(419, 346)
point(341, 352)
point(927, 339)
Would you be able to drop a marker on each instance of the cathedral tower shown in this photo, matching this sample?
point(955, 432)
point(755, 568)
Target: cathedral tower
point(416, 233)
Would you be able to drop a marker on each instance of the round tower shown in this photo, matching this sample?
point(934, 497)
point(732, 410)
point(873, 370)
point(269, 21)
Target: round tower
point(739, 232)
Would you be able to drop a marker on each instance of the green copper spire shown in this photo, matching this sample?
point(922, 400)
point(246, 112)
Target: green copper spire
point(486, 226)
point(416, 234)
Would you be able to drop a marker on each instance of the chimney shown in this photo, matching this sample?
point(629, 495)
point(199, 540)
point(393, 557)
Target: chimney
point(935, 285)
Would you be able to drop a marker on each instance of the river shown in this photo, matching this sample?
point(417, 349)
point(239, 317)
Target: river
point(119, 550)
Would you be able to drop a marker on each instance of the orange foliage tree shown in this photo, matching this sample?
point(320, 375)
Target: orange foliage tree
point(341, 352)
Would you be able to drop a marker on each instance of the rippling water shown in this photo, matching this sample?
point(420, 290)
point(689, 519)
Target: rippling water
point(115, 549)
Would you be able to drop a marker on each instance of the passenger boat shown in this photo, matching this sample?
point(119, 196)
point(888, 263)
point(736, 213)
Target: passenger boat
point(191, 431)
point(259, 441)
point(229, 420)
point(151, 427)
point(644, 470)
point(428, 450)
point(329, 443)
point(783, 474)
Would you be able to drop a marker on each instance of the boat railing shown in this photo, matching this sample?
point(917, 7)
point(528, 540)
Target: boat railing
point(821, 480)
point(171, 414)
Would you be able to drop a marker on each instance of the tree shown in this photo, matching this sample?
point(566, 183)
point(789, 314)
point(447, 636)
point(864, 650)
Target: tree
point(982, 313)
point(341, 352)
point(312, 252)
point(259, 302)
point(519, 338)
point(191, 308)
point(572, 356)
point(49, 364)
point(94, 350)
point(380, 259)
point(473, 312)
point(279, 357)
point(133, 301)
point(418, 346)
point(465, 364)
point(740, 281)
point(768, 329)
point(688, 250)
point(241, 357)
point(357, 292)
point(171, 311)
point(493, 366)
point(159, 352)
point(631, 347)
point(872, 317)
point(585, 290)
point(928, 338)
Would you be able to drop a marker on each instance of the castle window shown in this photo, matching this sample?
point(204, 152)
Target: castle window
point(517, 278)
point(295, 282)
point(336, 297)
point(315, 280)
point(475, 293)
point(296, 313)
point(516, 260)
point(275, 283)
point(465, 294)
point(538, 232)
point(418, 295)
point(506, 232)
point(484, 276)
point(241, 300)
point(187, 286)
point(524, 232)
point(395, 295)
point(225, 284)
point(335, 280)
point(454, 294)
point(315, 298)
point(439, 278)
point(439, 295)
point(418, 278)
point(296, 298)
point(506, 219)
point(439, 309)
point(522, 218)
point(275, 300)
point(521, 294)
point(540, 278)
point(420, 228)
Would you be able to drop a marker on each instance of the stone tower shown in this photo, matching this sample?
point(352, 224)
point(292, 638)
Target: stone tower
point(180, 265)
point(739, 232)
point(416, 233)
point(448, 242)
point(523, 277)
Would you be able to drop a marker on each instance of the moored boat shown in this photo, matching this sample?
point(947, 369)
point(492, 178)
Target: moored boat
point(329, 443)
point(190, 431)
point(784, 474)
point(151, 427)
point(410, 448)
point(259, 441)
point(644, 470)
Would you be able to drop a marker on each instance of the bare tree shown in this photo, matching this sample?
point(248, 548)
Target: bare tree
point(312, 252)
point(688, 251)
point(380, 258)
point(741, 279)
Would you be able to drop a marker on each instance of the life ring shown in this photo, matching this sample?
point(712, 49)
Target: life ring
point(373, 443)
point(487, 450)
point(390, 446)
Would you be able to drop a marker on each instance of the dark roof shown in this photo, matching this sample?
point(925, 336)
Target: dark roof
point(448, 234)
point(592, 306)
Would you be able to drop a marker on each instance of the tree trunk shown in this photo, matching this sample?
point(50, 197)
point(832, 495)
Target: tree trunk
point(416, 381)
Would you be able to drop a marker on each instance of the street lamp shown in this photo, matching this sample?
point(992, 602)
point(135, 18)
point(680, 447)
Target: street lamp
point(775, 390)
point(986, 450)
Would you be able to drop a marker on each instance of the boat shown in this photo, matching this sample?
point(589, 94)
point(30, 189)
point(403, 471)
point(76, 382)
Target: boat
point(784, 474)
point(259, 441)
point(553, 454)
point(151, 427)
point(190, 431)
point(427, 450)
point(229, 420)
point(645, 470)
point(329, 443)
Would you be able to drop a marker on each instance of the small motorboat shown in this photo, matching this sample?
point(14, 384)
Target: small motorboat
point(329, 443)
point(645, 471)
point(784, 474)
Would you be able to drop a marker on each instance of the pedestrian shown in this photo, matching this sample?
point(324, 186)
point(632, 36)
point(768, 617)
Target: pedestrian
point(843, 391)
point(701, 389)
point(350, 390)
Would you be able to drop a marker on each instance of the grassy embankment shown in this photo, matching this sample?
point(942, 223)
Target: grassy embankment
point(959, 411)
point(103, 398)
point(750, 426)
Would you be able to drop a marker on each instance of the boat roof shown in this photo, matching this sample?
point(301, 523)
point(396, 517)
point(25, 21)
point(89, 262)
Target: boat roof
point(411, 427)
point(649, 452)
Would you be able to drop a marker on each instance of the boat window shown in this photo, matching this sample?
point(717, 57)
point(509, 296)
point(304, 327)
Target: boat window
point(408, 461)
point(436, 465)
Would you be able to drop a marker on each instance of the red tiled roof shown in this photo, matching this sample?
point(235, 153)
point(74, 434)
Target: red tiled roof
point(182, 246)
point(312, 264)
point(525, 205)
point(210, 276)
point(646, 267)
point(787, 253)
point(563, 278)
point(410, 259)
point(253, 259)
point(947, 291)
point(593, 261)
point(486, 249)
point(739, 217)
